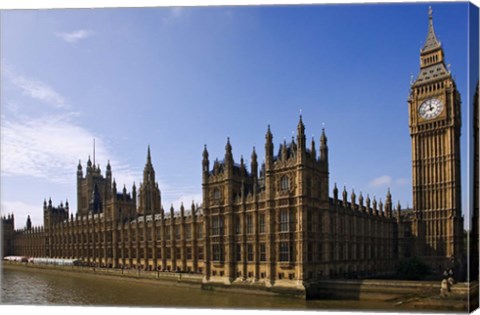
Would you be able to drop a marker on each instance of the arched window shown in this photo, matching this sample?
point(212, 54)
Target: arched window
point(216, 194)
point(284, 183)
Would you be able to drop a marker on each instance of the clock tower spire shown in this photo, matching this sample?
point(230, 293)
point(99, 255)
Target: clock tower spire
point(434, 119)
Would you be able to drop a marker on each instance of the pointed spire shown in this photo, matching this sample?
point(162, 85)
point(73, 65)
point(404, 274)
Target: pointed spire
point(335, 191)
point(323, 147)
point(149, 158)
point(323, 138)
point(254, 163)
point(228, 146)
point(205, 152)
point(300, 126)
point(228, 153)
point(312, 148)
point(360, 200)
point(205, 163)
point(268, 135)
point(431, 42)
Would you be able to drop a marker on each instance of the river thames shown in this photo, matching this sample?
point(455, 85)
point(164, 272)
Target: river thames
point(37, 287)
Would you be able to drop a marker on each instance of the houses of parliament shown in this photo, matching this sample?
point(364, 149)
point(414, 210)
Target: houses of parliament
point(275, 223)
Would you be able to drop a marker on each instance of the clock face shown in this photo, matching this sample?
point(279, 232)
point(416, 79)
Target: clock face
point(430, 108)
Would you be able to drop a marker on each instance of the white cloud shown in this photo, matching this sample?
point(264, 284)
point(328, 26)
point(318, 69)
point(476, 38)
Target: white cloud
point(384, 180)
point(74, 36)
point(49, 147)
point(38, 90)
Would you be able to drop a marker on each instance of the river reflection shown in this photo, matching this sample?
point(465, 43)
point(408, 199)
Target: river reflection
point(33, 287)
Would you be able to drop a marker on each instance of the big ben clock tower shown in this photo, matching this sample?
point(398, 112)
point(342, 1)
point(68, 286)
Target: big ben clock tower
point(434, 118)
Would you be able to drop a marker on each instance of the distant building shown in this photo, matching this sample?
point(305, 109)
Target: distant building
point(275, 223)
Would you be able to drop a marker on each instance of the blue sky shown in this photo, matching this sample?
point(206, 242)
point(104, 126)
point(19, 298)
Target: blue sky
point(178, 78)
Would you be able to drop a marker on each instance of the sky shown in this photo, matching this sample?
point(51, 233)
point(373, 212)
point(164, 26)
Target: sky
point(179, 78)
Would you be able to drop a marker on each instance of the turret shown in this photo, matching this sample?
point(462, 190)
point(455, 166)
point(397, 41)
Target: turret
point(29, 223)
point(268, 149)
point(79, 170)
point(301, 141)
point(367, 202)
point(114, 189)
point(228, 154)
point(283, 150)
point(399, 215)
point(89, 165)
point(388, 204)
point(352, 200)
point(134, 193)
point(205, 162)
point(182, 210)
point(148, 171)
point(374, 204)
point(335, 193)
point(312, 149)
point(108, 172)
point(360, 201)
point(254, 164)
point(344, 195)
point(323, 147)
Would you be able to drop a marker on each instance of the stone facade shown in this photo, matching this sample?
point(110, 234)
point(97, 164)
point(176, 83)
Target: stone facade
point(273, 223)
point(435, 122)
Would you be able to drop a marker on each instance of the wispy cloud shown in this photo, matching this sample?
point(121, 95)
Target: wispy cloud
point(38, 90)
point(384, 180)
point(49, 147)
point(75, 36)
point(47, 144)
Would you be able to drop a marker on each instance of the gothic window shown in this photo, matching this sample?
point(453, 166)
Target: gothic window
point(200, 253)
point(177, 232)
point(284, 220)
point(217, 225)
point(250, 252)
point(263, 252)
point(261, 223)
point(249, 224)
point(217, 252)
point(188, 231)
point(199, 231)
point(284, 253)
point(216, 194)
point(189, 253)
point(284, 183)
